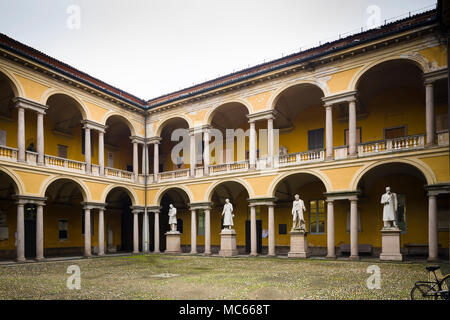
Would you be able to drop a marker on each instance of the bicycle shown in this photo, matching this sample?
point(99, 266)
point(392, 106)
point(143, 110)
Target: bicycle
point(431, 289)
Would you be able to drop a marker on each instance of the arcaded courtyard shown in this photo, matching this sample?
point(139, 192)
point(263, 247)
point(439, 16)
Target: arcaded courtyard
point(196, 277)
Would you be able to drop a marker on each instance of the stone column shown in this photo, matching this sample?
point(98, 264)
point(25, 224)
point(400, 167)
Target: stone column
point(87, 233)
point(145, 232)
point(271, 239)
point(207, 231)
point(135, 232)
point(135, 160)
point(156, 250)
point(331, 251)
point(352, 127)
point(206, 152)
point(329, 132)
point(193, 231)
point(270, 141)
point(21, 134)
point(252, 145)
point(155, 161)
point(192, 159)
point(40, 232)
point(253, 240)
point(432, 229)
point(144, 159)
point(87, 148)
point(354, 255)
point(40, 138)
point(430, 121)
point(101, 152)
point(20, 233)
point(101, 232)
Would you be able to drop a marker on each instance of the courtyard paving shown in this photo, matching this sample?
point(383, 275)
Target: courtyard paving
point(195, 277)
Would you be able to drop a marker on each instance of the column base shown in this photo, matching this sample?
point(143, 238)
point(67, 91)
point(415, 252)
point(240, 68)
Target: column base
point(432, 259)
point(355, 258)
point(40, 259)
point(299, 244)
point(173, 244)
point(254, 254)
point(228, 243)
point(20, 260)
point(331, 257)
point(207, 253)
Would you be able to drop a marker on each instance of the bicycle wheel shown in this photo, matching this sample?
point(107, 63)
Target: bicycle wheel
point(445, 282)
point(423, 291)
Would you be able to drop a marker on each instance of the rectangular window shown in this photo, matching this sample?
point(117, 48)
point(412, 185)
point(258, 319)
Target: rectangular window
point(92, 224)
point(315, 139)
point(201, 223)
point(2, 138)
point(62, 151)
point(110, 159)
point(317, 216)
point(358, 136)
point(62, 229)
point(441, 122)
point(397, 132)
point(180, 225)
point(401, 212)
point(282, 229)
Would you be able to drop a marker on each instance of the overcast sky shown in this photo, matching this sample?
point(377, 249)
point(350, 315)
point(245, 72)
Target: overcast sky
point(153, 47)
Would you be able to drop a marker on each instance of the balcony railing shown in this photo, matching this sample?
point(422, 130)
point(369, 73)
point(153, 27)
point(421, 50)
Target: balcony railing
point(391, 145)
point(173, 175)
point(228, 167)
point(119, 174)
point(7, 153)
point(301, 157)
point(66, 164)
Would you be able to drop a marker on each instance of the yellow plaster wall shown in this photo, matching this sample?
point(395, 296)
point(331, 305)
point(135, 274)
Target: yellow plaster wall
point(31, 181)
point(341, 80)
point(259, 101)
point(341, 178)
point(33, 90)
point(435, 55)
point(440, 167)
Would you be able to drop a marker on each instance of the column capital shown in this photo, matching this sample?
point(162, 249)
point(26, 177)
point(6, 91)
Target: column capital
point(138, 140)
point(93, 205)
point(430, 77)
point(252, 202)
point(137, 209)
point(21, 199)
point(262, 115)
point(340, 98)
point(199, 129)
point(88, 124)
point(155, 209)
point(23, 103)
point(154, 140)
point(200, 206)
point(344, 195)
point(437, 189)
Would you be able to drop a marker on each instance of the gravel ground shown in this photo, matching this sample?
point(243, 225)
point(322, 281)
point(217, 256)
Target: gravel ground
point(195, 277)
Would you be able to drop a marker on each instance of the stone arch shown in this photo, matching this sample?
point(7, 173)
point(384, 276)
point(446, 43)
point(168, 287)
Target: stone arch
point(417, 164)
point(210, 191)
point(210, 114)
point(163, 191)
point(123, 118)
point(130, 192)
point(87, 197)
point(15, 85)
point(19, 187)
point(163, 123)
point(80, 104)
point(416, 60)
point(272, 102)
point(319, 175)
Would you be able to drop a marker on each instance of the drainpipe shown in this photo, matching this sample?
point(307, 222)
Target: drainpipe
point(145, 181)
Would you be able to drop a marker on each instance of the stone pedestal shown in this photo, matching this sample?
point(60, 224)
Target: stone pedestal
point(228, 243)
point(173, 242)
point(299, 244)
point(390, 242)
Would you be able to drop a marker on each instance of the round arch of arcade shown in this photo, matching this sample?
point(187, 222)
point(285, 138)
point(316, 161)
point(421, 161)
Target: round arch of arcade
point(272, 102)
point(210, 191)
point(87, 197)
point(319, 175)
point(419, 165)
point(160, 194)
point(16, 86)
point(122, 117)
point(416, 60)
point(85, 114)
point(130, 192)
point(211, 112)
point(19, 187)
point(163, 122)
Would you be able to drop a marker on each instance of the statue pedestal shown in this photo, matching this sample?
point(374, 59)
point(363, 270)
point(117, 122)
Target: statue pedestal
point(173, 244)
point(390, 240)
point(299, 244)
point(228, 243)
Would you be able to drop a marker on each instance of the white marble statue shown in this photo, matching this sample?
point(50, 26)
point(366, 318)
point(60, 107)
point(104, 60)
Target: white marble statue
point(297, 214)
point(228, 214)
point(172, 217)
point(390, 204)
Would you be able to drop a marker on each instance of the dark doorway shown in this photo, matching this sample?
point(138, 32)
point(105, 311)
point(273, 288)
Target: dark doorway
point(258, 236)
point(30, 231)
point(127, 230)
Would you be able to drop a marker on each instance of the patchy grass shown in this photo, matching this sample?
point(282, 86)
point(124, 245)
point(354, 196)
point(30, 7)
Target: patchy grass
point(195, 277)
